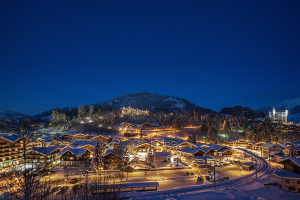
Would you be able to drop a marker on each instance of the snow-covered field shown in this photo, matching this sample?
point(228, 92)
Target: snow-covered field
point(250, 191)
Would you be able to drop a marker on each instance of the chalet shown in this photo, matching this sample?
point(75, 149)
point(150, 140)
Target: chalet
point(89, 145)
point(12, 150)
point(44, 155)
point(74, 157)
point(291, 164)
point(203, 161)
point(268, 150)
point(81, 136)
point(145, 147)
point(112, 161)
point(188, 152)
point(37, 143)
point(236, 143)
point(186, 144)
point(102, 138)
point(162, 157)
point(225, 152)
point(287, 180)
point(148, 126)
point(126, 125)
point(66, 137)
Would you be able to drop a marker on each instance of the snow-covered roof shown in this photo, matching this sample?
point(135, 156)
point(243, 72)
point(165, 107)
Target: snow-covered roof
point(293, 159)
point(189, 150)
point(77, 152)
point(286, 174)
point(81, 143)
point(169, 139)
point(268, 145)
point(145, 143)
point(45, 150)
point(223, 150)
point(161, 154)
point(12, 138)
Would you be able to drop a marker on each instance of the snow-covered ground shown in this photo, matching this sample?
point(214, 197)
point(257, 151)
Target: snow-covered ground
point(250, 191)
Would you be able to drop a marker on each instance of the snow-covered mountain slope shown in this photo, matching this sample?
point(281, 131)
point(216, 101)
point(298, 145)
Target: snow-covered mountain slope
point(151, 101)
point(293, 106)
point(9, 114)
point(289, 104)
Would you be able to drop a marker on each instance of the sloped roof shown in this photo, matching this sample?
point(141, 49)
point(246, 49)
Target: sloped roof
point(161, 154)
point(81, 143)
point(189, 150)
point(268, 145)
point(168, 139)
point(46, 150)
point(286, 174)
point(77, 152)
point(293, 159)
point(13, 138)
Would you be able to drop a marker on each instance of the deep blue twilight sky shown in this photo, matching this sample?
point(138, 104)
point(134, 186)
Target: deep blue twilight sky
point(213, 53)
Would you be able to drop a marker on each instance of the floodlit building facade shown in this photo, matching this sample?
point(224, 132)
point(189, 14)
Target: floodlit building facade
point(278, 116)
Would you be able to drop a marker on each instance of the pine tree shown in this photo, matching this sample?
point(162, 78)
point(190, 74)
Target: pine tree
point(199, 116)
point(91, 110)
point(97, 161)
point(149, 159)
point(55, 117)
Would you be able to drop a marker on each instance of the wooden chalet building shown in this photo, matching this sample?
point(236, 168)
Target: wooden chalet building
point(74, 157)
point(81, 136)
point(43, 155)
point(289, 178)
point(102, 138)
point(268, 150)
point(112, 161)
point(145, 147)
point(126, 125)
point(12, 150)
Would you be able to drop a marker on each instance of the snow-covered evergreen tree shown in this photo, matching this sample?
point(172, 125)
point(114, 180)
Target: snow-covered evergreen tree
point(91, 110)
point(97, 161)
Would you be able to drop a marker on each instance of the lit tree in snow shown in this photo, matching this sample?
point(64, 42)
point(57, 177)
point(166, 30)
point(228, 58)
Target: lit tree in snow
point(97, 161)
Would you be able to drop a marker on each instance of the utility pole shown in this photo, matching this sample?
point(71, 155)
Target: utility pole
point(215, 175)
point(256, 167)
point(86, 183)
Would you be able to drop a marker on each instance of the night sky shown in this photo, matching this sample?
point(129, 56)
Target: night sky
point(214, 53)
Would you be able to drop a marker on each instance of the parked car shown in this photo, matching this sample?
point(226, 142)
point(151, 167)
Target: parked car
point(73, 181)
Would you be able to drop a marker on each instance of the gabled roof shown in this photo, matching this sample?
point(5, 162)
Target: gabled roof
point(46, 150)
point(268, 145)
point(189, 150)
point(145, 143)
point(223, 150)
point(286, 174)
point(168, 139)
point(82, 143)
point(293, 159)
point(77, 152)
point(14, 138)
